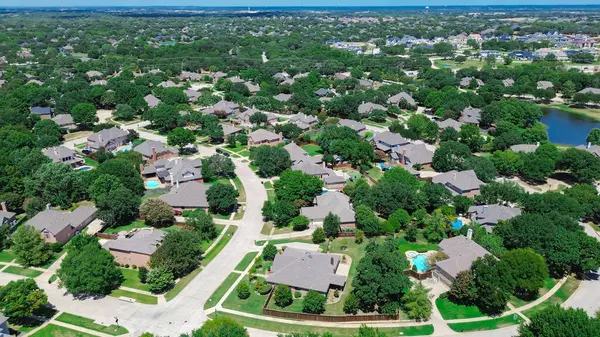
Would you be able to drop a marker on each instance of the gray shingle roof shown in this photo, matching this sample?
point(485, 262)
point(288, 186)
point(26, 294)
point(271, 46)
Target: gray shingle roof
point(103, 137)
point(470, 115)
point(188, 195)
point(491, 214)
point(145, 241)
point(595, 91)
point(6, 216)
point(63, 120)
point(352, 124)
point(229, 129)
point(152, 101)
point(368, 107)
point(61, 154)
point(449, 123)
point(303, 269)
point(387, 139)
point(464, 181)
point(402, 96)
point(461, 254)
point(334, 202)
point(262, 135)
point(544, 85)
point(282, 97)
point(244, 117)
point(525, 148)
point(55, 221)
point(416, 154)
point(145, 148)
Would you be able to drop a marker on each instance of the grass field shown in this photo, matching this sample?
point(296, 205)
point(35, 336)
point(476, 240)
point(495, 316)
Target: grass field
point(375, 173)
point(420, 245)
point(268, 185)
point(89, 324)
point(245, 262)
point(549, 283)
point(240, 188)
point(312, 149)
point(141, 298)
point(449, 310)
point(22, 271)
point(490, 324)
point(221, 290)
point(356, 252)
point(151, 195)
point(559, 297)
point(285, 328)
point(183, 282)
point(252, 304)
point(53, 330)
point(219, 246)
point(91, 162)
point(7, 256)
point(132, 280)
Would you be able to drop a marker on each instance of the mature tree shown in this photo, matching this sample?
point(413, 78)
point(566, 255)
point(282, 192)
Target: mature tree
point(281, 212)
point(367, 221)
point(57, 184)
point(22, 298)
point(203, 224)
point(124, 171)
point(157, 212)
point(437, 195)
point(423, 127)
point(296, 186)
point(217, 166)
point(314, 303)
point(483, 167)
point(351, 304)
point(462, 203)
point(529, 271)
point(243, 290)
point(222, 198)
point(33, 206)
point(469, 135)
point(269, 252)
point(179, 252)
point(48, 133)
point(29, 247)
point(450, 156)
point(437, 227)
point(173, 96)
point(124, 112)
point(463, 289)
point(584, 166)
point(319, 235)
point(380, 281)
point(117, 204)
point(520, 113)
point(558, 321)
point(594, 136)
point(501, 193)
point(400, 175)
point(331, 133)
point(282, 295)
point(553, 203)
point(536, 168)
point(88, 269)
point(331, 225)
point(219, 327)
point(448, 134)
point(399, 219)
point(164, 116)
point(84, 114)
point(271, 161)
point(181, 137)
point(416, 303)
point(160, 279)
point(300, 223)
point(494, 279)
point(507, 162)
point(587, 196)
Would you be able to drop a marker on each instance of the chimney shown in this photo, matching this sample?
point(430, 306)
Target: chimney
point(153, 154)
point(177, 182)
point(588, 145)
point(4, 206)
point(280, 136)
point(141, 168)
point(454, 175)
point(403, 162)
point(171, 178)
point(469, 234)
point(48, 206)
point(485, 207)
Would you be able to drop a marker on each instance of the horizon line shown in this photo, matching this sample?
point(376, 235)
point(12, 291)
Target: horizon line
point(305, 6)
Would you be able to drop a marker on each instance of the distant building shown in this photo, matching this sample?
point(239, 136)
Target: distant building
point(43, 111)
point(6, 217)
point(489, 215)
point(64, 155)
point(60, 227)
point(462, 252)
point(65, 121)
point(460, 182)
point(108, 139)
point(264, 137)
point(152, 151)
point(359, 127)
point(136, 248)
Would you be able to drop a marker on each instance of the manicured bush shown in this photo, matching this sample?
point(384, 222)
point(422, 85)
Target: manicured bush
point(143, 274)
point(243, 291)
point(269, 252)
point(297, 294)
point(282, 295)
point(265, 289)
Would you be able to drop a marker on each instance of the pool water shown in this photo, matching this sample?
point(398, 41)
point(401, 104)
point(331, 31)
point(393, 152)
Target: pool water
point(457, 224)
point(420, 262)
point(123, 149)
point(151, 184)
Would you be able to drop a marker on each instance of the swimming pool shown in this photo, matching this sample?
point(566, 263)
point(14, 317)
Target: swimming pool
point(150, 184)
point(457, 224)
point(84, 168)
point(123, 149)
point(420, 263)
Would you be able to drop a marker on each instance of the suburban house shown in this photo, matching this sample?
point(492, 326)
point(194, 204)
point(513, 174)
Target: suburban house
point(174, 171)
point(588, 90)
point(65, 121)
point(56, 226)
point(167, 84)
point(449, 123)
point(152, 101)
point(341, 76)
point(330, 179)
point(62, 154)
point(303, 121)
point(466, 82)
point(222, 107)
point(190, 76)
point(136, 248)
point(43, 111)
point(545, 85)
point(509, 82)
point(244, 117)
point(470, 115)
point(413, 154)
point(299, 155)
point(93, 74)
point(108, 139)
point(230, 130)
point(6, 217)
point(304, 270)
point(187, 196)
point(461, 252)
point(324, 92)
point(192, 95)
point(368, 107)
point(252, 87)
point(331, 202)
point(283, 98)
point(403, 96)
point(359, 127)
point(489, 215)
point(388, 141)
point(264, 137)
point(524, 148)
point(460, 182)
point(593, 149)
point(152, 151)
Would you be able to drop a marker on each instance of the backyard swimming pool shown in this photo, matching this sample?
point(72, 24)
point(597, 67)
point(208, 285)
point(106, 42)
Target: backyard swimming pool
point(150, 184)
point(84, 168)
point(420, 263)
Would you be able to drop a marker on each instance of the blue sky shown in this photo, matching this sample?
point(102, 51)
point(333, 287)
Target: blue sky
point(288, 3)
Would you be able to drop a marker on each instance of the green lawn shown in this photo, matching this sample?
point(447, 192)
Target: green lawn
point(559, 297)
point(271, 195)
point(268, 184)
point(419, 246)
point(376, 124)
point(53, 259)
point(151, 195)
point(261, 266)
point(7, 256)
point(296, 305)
point(219, 246)
point(183, 282)
point(266, 229)
point(356, 252)
point(89, 324)
point(285, 328)
point(549, 283)
point(141, 298)
point(489, 324)
point(305, 239)
point(22, 271)
point(52, 278)
point(451, 64)
point(312, 149)
point(240, 188)
point(238, 147)
point(252, 304)
point(221, 290)
point(450, 310)
point(245, 262)
point(126, 228)
point(375, 173)
point(53, 330)
point(91, 162)
point(132, 280)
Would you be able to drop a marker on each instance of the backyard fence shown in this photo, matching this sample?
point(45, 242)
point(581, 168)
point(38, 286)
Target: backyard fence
point(107, 236)
point(419, 276)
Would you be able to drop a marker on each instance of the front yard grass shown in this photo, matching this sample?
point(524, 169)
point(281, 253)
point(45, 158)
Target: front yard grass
point(296, 305)
point(240, 188)
point(53, 330)
point(450, 310)
point(252, 304)
point(219, 246)
point(221, 290)
point(312, 149)
point(559, 297)
point(421, 330)
point(183, 282)
point(246, 260)
point(53, 259)
point(91, 162)
point(266, 229)
point(268, 185)
point(375, 173)
point(126, 228)
point(22, 271)
point(141, 298)
point(549, 283)
point(7, 256)
point(88, 323)
point(489, 324)
point(271, 195)
point(132, 280)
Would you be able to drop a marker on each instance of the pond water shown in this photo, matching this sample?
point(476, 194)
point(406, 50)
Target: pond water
point(567, 128)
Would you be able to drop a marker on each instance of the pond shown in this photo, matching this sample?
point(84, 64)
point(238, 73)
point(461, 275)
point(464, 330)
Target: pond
point(567, 128)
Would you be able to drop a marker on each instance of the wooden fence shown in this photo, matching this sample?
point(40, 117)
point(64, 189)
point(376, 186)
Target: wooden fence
point(107, 236)
point(417, 275)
